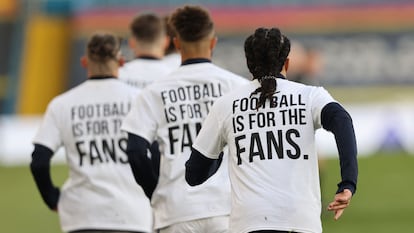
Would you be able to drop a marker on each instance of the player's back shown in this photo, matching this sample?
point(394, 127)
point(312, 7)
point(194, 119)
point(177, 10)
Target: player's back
point(101, 190)
point(179, 103)
point(275, 145)
point(187, 94)
point(141, 72)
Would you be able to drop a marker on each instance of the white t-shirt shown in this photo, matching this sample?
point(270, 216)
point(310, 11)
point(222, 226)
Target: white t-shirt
point(171, 111)
point(273, 163)
point(141, 72)
point(100, 192)
point(172, 60)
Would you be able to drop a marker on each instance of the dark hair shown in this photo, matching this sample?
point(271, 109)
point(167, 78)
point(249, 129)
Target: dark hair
point(171, 34)
point(266, 52)
point(103, 46)
point(192, 23)
point(147, 27)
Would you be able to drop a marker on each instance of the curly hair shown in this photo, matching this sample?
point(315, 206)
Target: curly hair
point(266, 52)
point(192, 23)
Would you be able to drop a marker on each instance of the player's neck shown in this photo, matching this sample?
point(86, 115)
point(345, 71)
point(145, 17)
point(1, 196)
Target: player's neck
point(152, 55)
point(156, 53)
point(198, 49)
point(109, 68)
point(283, 72)
point(94, 73)
point(192, 55)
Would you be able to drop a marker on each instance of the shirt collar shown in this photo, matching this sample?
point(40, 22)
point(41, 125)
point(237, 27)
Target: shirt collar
point(195, 61)
point(100, 77)
point(147, 57)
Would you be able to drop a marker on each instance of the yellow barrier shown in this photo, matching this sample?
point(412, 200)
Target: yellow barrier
point(44, 63)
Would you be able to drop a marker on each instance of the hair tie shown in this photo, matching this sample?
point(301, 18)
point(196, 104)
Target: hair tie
point(267, 77)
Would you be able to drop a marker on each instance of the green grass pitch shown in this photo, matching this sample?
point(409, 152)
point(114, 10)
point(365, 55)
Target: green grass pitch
point(383, 202)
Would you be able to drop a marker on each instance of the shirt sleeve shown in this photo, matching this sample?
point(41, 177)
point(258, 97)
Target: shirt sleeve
point(199, 168)
point(40, 168)
point(210, 140)
point(338, 121)
point(319, 98)
point(48, 133)
point(141, 119)
point(141, 165)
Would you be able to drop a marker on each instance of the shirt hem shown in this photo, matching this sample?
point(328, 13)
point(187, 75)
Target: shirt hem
point(100, 226)
point(189, 218)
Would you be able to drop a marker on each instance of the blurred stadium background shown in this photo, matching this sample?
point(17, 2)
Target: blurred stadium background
point(362, 51)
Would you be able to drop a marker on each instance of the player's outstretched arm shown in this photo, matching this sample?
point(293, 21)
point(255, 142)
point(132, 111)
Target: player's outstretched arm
point(199, 168)
point(40, 168)
point(141, 165)
point(336, 119)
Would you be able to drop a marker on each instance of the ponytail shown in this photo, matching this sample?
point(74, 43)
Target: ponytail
point(266, 52)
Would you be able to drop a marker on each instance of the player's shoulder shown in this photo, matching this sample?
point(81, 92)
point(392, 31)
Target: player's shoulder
point(311, 91)
point(57, 103)
point(114, 85)
point(223, 106)
point(292, 85)
point(63, 97)
point(224, 76)
point(129, 68)
point(237, 93)
point(228, 73)
point(132, 66)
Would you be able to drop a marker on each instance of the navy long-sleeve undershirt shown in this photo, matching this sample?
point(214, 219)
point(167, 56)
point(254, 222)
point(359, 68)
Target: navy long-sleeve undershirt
point(202, 166)
point(145, 168)
point(40, 168)
point(334, 118)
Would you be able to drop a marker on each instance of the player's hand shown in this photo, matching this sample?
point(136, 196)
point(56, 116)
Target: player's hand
point(341, 201)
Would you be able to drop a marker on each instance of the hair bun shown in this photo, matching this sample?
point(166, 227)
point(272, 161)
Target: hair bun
point(103, 47)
